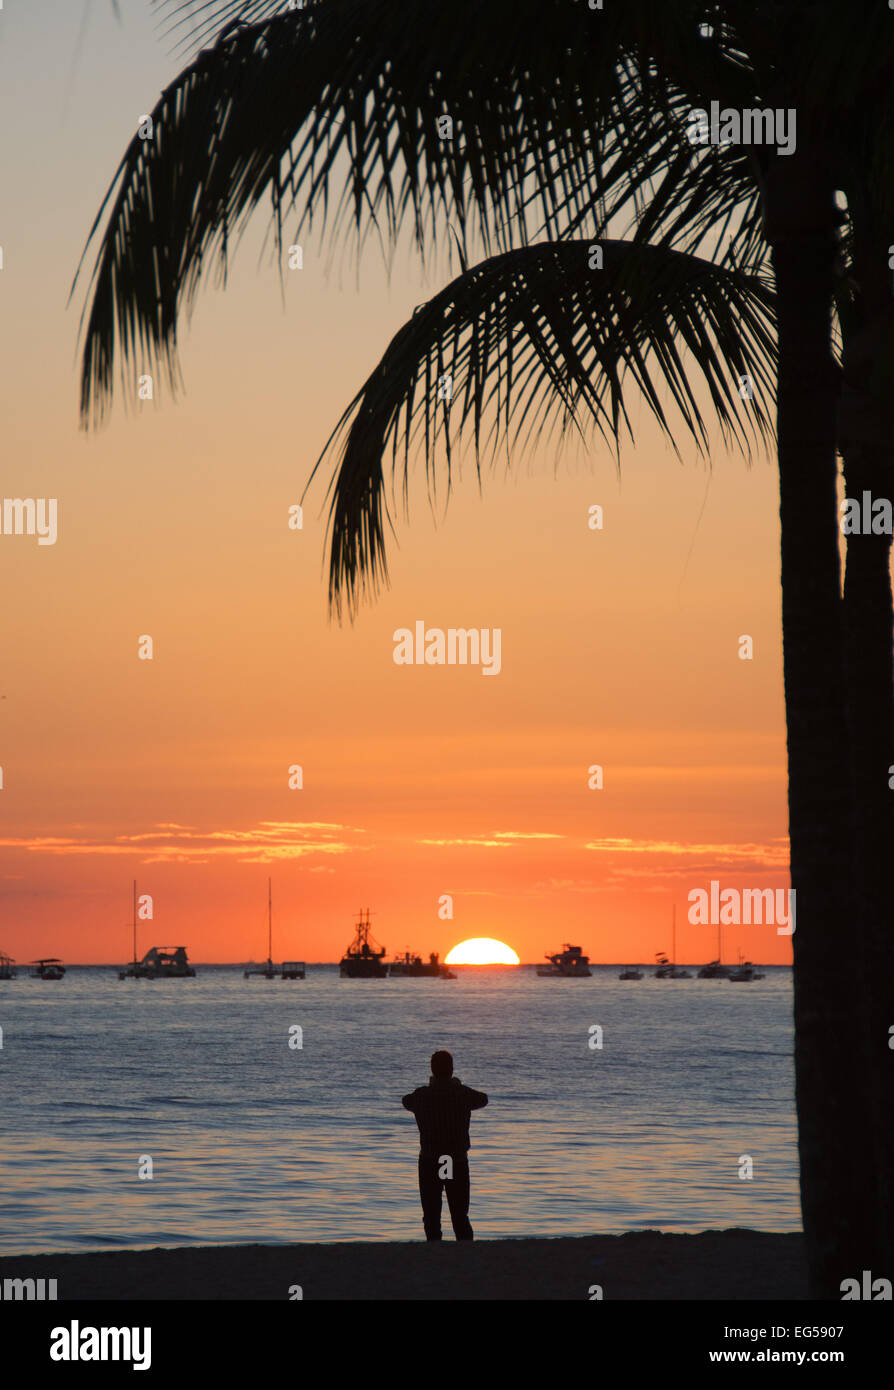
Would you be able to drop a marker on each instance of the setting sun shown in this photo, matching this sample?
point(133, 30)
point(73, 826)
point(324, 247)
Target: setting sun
point(482, 950)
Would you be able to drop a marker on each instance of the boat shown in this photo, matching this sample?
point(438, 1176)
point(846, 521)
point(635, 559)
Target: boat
point(631, 974)
point(414, 968)
point(565, 964)
point(50, 968)
point(362, 961)
point(668, 969)
point(715, 970)
point(160, 963)
point(8, 969)
point(291, 969)
point(744, 973)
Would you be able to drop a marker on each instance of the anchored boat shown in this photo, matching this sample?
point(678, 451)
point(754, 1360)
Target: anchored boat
point(414, 968)
point(744, 973)
point(568, 963)
point(50, 968)
point(8, 969)
point(291, 969)
point(362, 960)
point(715, 970)
point(668, 969)
point(631, 974)
point(159, 962)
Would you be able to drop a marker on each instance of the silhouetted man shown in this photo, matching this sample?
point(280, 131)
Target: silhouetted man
point(442, 1110)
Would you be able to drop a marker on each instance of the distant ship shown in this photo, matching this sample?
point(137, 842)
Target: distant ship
point(160, 963)
point(414, 968)
point(361, 961)
point(50, 968)
point(566, 963)
point(631, 974)
point(744, 973)
point(715, 970)
point(291, 969)
point(7, 967)
point(668, 969)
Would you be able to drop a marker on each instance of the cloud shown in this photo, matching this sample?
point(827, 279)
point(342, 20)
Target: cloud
point(489, 844)
point(526, 835)
point(264, 843)
point(500, 838)
point(568, 885)
point(772, 855)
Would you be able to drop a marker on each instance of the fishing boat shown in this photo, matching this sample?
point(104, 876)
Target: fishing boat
point(715, 970)
point(291, 969)
point(8, 969)
point(565, 964)
point(50, 968)
point(364, 959)
point(744, 973)
point(159, 962)
point(414, 968)
point(631, 974)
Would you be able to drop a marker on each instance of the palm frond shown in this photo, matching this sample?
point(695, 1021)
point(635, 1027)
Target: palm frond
point(555, 108)
point(535, 332)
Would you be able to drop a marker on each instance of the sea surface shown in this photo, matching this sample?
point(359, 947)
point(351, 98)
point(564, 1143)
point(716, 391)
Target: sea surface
point(252, 1140)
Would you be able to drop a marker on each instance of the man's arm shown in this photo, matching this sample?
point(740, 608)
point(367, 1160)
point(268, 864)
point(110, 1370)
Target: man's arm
point(409, 1102)
point(476, 1099)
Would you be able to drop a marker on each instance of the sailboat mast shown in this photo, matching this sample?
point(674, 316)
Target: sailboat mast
point(134, 922)
point(674, 936)
point(269, 921)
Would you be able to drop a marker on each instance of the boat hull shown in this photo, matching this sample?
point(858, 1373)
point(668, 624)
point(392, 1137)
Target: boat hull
point(362, 970)
point(559, 972)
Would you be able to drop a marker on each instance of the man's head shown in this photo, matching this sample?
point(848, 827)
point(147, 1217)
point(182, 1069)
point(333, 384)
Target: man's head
point(441, 1065)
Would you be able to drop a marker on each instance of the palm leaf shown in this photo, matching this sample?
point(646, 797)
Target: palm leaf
point(557, 114)
point(534, 333)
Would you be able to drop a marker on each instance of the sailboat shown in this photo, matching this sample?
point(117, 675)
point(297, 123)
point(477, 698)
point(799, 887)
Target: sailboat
point(291, 969)
point(714, 970)
point(667, 969)
point(744, 972)
point(159, 962)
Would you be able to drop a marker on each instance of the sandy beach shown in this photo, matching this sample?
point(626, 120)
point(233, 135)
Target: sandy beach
point(720, 1265)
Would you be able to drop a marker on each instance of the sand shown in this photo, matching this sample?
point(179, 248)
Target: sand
point(732, 1264)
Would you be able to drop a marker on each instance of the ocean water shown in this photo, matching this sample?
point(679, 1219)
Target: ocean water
point(252, 1140)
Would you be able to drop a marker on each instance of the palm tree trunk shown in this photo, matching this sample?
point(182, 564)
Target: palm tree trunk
point(866, 432)
point(868, 645)
point(830, 1073)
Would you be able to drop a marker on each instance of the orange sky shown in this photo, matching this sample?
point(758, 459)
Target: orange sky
point(619, 647)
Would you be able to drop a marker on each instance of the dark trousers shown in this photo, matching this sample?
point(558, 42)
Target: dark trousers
point(457, 1189)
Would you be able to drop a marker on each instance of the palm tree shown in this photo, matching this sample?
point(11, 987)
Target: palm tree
point(565, 121)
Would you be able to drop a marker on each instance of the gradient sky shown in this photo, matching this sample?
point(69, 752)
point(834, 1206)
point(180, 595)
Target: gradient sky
point(618, 647)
